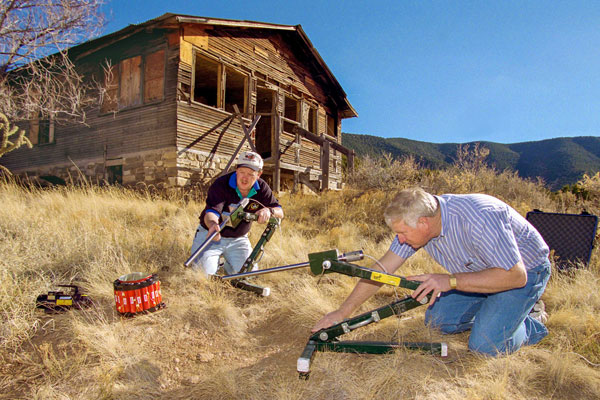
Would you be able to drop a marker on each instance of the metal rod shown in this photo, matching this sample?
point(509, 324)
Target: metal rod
point(266, 271)
point(205, 243)
point(350, 256)
point(234, 217)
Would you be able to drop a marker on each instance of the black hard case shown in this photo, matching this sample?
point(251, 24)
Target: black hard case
point(571, 236)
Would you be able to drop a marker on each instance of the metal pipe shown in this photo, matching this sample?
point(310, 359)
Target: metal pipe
point(204, 244)
point(266, 271)
point(351, 256)
point(236, 212)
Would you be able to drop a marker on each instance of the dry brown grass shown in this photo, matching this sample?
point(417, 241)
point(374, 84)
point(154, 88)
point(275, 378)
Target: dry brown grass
point(213, 341)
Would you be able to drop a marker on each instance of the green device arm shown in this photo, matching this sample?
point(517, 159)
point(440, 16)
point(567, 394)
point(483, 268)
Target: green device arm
point(327, 339)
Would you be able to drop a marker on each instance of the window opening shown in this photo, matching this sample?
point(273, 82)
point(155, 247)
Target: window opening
point(331, 126)
point(206, 81)
point(114, 174)
point(264, 104)
point(312, 120)
point(41, 130)
point(291, 112)
point(235, 90)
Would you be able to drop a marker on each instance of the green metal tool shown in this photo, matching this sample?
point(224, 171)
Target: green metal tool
point(257, 252)
point(233, 219)
point(327, 339)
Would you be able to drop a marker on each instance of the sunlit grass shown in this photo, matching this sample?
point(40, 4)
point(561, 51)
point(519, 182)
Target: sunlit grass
point(213, 341)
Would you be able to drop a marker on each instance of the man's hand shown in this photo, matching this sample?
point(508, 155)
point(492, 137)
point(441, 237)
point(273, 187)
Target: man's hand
point(263, 215)
point(431, 283)
point(334, 317)
point(214, 227)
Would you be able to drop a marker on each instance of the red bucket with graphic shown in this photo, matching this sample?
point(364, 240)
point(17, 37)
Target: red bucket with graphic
point(138, 293)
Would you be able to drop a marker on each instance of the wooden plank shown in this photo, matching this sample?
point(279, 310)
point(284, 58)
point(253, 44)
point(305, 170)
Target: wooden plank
point(130, 82)
point(154, 71)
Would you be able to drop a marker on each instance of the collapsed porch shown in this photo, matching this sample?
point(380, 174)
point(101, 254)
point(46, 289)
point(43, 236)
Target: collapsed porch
point(279, 140)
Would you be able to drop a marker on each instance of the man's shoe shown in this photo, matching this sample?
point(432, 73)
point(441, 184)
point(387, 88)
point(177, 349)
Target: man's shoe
point(538, 312)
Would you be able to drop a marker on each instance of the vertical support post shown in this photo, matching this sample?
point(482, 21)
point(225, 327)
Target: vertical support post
point(277, 155)
point(325, 166)
point(350, 161)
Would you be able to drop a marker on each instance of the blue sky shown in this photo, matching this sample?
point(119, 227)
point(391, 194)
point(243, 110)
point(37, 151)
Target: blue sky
point(438, 71)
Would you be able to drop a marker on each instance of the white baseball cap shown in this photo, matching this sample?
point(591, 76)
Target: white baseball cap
point(251, 160)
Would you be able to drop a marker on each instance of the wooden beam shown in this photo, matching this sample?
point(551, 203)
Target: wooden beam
point(235, 153)
point(277, 156)
point(325, 166)
point(320, 140)
point(246, 131)
point(351, 161)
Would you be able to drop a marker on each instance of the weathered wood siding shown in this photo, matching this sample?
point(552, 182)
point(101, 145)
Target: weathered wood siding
point(110, 135)
point(146, 124)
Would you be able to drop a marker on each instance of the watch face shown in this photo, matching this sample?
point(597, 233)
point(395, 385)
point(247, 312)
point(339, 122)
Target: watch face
point(252, 207)
point(452, 282)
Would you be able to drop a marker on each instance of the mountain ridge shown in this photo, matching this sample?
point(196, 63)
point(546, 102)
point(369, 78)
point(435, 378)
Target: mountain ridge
point(558, 161)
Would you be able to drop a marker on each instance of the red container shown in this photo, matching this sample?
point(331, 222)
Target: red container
point(137, 293)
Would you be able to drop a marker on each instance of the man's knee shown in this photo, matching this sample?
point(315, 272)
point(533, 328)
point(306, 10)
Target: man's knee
point(441, 322)
point(490, 347)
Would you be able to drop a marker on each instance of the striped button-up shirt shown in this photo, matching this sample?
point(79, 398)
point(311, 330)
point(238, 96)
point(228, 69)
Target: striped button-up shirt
point(480, 232)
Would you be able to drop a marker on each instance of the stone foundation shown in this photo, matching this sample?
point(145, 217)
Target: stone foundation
point(161, 168)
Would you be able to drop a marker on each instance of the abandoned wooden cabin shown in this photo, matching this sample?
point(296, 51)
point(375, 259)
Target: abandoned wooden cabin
point(186, 95)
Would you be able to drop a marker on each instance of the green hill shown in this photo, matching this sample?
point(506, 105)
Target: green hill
point(559, 161)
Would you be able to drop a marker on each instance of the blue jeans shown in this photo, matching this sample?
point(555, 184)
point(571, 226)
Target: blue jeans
point(499, 322)
point(234, 250)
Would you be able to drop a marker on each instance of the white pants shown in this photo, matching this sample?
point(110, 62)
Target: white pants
point(234, 250)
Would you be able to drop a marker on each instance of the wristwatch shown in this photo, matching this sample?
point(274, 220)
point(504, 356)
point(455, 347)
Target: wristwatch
point(452, 282)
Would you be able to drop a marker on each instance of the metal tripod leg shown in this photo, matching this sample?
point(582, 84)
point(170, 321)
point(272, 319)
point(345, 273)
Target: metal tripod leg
point(245, 285)
point(258, 249)
point(362, 347)
point(326, 339)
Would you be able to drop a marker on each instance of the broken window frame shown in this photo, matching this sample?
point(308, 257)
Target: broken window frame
point(222, 88)
point(287, 126)
point(227, 104)
point(312, 119)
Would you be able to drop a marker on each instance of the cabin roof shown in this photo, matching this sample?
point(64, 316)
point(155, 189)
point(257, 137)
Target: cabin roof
point(171, 21)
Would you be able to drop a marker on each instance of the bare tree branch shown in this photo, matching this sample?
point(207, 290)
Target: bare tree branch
point(37, 78)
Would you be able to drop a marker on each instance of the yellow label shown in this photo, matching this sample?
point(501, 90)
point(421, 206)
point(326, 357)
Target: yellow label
point(60, 302)
point(51, 297)
point(387, 279)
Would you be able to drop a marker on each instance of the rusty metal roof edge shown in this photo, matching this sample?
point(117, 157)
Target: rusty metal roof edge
point(232, 22)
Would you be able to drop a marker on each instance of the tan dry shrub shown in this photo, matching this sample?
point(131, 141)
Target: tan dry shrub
point(385, 173)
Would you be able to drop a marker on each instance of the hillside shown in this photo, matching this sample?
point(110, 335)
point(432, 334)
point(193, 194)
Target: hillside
point(559, 161)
